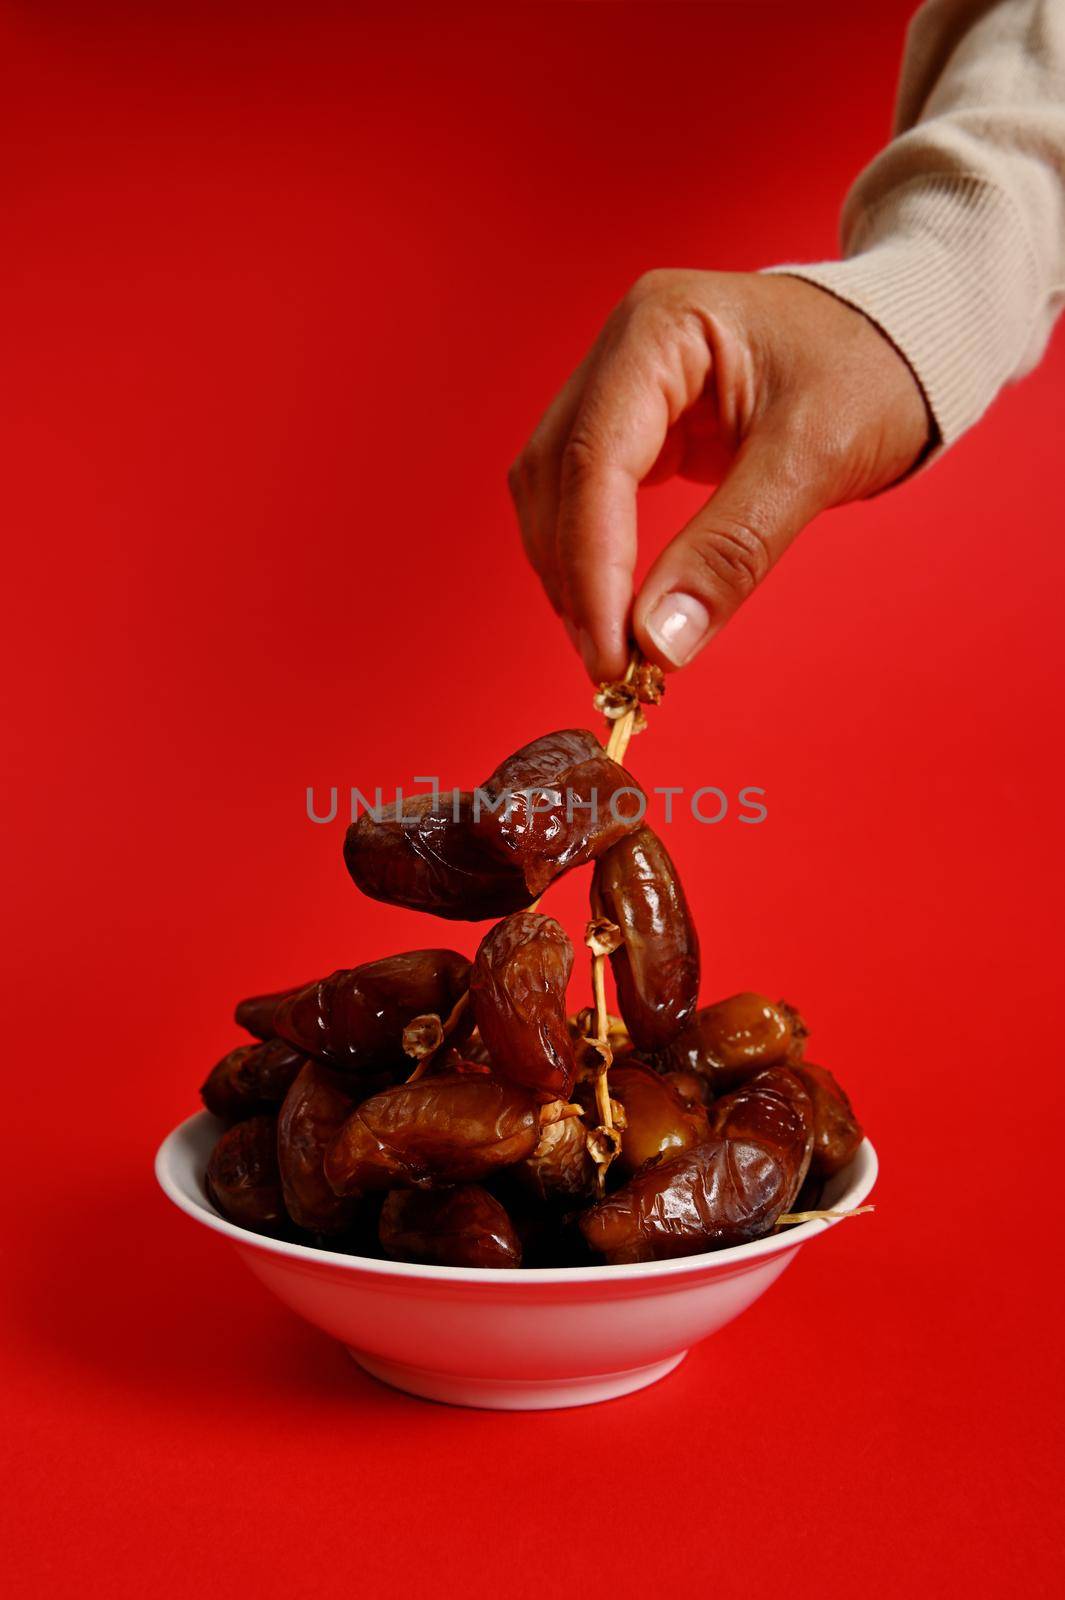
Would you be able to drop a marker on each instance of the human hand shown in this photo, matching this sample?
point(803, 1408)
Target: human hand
point(768, 386)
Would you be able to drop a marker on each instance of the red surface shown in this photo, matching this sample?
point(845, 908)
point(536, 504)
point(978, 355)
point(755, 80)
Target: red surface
point(280, 297)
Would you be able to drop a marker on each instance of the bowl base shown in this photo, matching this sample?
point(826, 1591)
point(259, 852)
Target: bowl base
point(514, 1394)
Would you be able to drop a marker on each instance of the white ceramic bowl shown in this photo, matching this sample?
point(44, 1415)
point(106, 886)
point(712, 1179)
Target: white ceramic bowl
point(510, 1340)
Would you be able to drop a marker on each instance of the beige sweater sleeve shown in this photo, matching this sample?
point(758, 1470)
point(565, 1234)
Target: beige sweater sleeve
point(954, 236)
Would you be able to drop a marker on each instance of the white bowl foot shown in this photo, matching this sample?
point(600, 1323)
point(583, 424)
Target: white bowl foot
point(514, 1394)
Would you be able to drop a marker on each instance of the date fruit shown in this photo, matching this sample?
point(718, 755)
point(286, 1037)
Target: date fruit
point(425, 854)
point(555, 804)
point(256, 1014)
point(251, 1078)
point(463, 1227)
point(734, 1038)
point(691, 1086)
point(774, 1110)
point(560, 1168)
point(454, 1128)
point(656, 967)
point(837, 1131)
point(657, 1121)
point(243, 1179)
point(518, 994)
point(315, 1109)
point(727, 1190)
point(354, 1019)
point(722, 1192)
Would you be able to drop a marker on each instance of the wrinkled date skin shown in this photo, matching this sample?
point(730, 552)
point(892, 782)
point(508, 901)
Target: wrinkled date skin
point(774, 1110)
point(256, 1014)
point(734, 1038)
point(518, 992)
point(560, 1168)
point(315, 1109)
point(721, 1192)
point(427, 856)
point(250, 1079)
point(657, 1121)
point(837, 1131)
point(354, 1019)
point(558, 827)
point(243, 1180)
point(656, 967)
point(464, 1227)
point(727, 1190)
point(455, 1128)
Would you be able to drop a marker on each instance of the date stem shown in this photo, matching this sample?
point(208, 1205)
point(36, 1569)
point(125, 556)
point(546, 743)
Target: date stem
point(601, 937)
point(447, 1028)
point(623, 728)
point(622, 703)
point(817, 1216)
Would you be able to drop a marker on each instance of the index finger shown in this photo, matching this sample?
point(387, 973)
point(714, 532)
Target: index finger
point(629, 402)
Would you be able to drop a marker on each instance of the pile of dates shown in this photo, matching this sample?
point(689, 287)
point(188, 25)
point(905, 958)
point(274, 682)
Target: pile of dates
point(427, 1108)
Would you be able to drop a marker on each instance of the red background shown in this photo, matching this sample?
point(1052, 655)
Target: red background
point(281, 294)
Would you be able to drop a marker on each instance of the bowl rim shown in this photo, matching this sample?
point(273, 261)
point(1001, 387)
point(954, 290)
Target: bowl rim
point(179, 1182)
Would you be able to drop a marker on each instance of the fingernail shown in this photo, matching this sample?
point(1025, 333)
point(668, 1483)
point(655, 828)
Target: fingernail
point(589, 654)
point(678, 625)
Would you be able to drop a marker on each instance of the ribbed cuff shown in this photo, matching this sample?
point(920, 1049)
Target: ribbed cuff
point(943, 265)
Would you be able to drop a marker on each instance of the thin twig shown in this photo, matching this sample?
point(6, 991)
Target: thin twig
point(622, 702)
point(818, 1216)
point(602, 936)
point(447, 1028)
point(622, 729)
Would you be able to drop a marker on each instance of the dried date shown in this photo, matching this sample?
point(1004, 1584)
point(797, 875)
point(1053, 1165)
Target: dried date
point(454, 1128)
point(734, 1038)
point(251, 1079)
point(721, 1192)
point(423, 853)
point(315, 1109)
point(837, 1131)
point(461, 1227)
point(518, 994)
point(256, 1014)
point(556, 804)
point(656, 966)
point(774, 1110)
point(657, 1122)
point(354, 1019)
point(560, 1168)
point(243, 1180)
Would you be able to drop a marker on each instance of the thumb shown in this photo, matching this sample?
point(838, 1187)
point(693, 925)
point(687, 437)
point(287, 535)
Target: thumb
point(727, 548)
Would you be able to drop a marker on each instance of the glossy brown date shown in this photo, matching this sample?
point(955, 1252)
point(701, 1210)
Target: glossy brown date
point(657, 1120)
point(315, 1109)
point(656, 967)
point(730, 1040)
point(243, 1180)
point(354, 1019)
point(772, 1109)
point(251, 1078)
point(463, 1227)
point(560, 1168)
point(726, 1190)
point(692, 1087)
point(518, 994)
point(256, 1014)
point(454, 1128)
point(425, 854)
point(561, 802)
point(837, 1131)
point(721, 1192)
